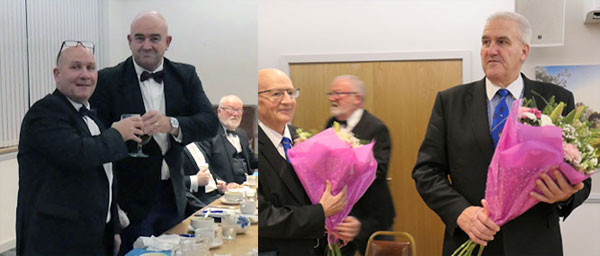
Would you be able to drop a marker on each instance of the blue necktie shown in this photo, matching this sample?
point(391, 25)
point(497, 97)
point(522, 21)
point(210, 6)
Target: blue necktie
point(500, 115)
point(287, 144)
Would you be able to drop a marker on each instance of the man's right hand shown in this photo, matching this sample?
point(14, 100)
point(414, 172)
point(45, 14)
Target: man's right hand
point(475, 221)
point(129, 128)
point(333, 204)
point(203, 177)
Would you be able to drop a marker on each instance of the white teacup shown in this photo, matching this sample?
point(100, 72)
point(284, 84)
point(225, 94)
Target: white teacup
point(234, 196)
point(201, 222)
point(248, 207)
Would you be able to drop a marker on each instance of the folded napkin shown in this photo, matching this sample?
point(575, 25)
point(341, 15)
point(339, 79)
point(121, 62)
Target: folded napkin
point(160, 243)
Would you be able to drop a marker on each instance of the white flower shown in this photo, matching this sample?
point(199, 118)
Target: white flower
point(546, 121)
point(529, 115)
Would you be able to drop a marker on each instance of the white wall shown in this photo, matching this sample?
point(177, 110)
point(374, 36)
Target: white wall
point(218, 37)
point(357, 26)
point(9, 185)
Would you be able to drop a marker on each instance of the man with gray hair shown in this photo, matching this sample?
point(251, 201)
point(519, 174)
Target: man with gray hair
point(464, 128)
point(375, 209)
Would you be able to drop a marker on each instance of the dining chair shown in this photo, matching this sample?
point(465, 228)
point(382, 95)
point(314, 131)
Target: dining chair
point(404, 247)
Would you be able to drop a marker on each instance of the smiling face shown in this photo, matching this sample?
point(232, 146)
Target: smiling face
point(76, 74)
point(502, 52)
point(148, 40)
point(275, 112)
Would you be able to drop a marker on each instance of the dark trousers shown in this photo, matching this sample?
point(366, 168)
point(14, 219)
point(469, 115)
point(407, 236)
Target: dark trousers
point(161, 217)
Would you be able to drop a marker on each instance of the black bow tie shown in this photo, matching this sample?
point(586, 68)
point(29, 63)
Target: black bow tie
point(230, 132)
point(157, 76)
point(344, 123)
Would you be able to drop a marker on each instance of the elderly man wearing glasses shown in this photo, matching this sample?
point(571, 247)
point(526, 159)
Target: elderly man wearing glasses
point(375, 209)
point(288, 223)
point(66, 203)
point(228, 155)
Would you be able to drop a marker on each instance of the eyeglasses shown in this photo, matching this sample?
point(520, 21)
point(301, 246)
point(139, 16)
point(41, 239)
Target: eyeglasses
point(233, 110)
point(70, 43)
point(277, 94)
point(338, 94)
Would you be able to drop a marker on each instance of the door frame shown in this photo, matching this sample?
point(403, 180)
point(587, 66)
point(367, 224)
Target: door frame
point(463, 55)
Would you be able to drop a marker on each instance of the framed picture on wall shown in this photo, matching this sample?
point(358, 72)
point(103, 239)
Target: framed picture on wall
point(582, 80)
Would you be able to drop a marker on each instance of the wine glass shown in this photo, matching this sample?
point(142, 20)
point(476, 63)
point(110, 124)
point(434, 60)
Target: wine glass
point(145, 139)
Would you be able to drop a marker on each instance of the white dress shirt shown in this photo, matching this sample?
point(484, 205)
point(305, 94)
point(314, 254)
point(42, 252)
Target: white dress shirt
point(234, 140)
point(276, 137)
point(153, 95)
point(200, 160)
point(352, 120)
point(516, 92)
point(95, 131)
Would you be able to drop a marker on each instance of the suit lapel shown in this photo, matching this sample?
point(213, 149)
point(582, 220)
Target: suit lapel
point(362, 125)
point(281, 167)
point(476, 106)
point(81, 125)
point(173, 92)
point(222, 137)
point(130, 89)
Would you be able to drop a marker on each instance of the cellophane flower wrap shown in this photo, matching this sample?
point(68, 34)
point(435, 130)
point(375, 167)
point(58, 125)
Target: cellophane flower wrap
point(526, 149)
point(325, 156)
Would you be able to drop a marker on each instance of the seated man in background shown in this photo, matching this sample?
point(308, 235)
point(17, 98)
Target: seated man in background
point(229, 155)
point(65, 204)
point(202, 185)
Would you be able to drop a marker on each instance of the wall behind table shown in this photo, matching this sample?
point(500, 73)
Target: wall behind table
point(218, 37)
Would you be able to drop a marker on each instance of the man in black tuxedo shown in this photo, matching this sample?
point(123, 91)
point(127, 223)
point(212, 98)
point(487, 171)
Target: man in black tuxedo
point(288, 224)
point(375, 209)
point(451, 169)
point(175, 111)
point(66, 201)
point(203, 187)
point(229, 154)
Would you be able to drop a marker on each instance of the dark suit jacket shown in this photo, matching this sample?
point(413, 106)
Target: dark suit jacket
point(375, 209)
point(287, 221)
point(63, 189)
point(458, 144)
point(219, 156)
point(199, 199)
point(118, 92)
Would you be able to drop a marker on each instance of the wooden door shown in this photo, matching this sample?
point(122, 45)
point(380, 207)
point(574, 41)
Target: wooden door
point(401, 94)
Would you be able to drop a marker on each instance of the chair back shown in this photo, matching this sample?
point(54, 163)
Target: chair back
point(407, 247)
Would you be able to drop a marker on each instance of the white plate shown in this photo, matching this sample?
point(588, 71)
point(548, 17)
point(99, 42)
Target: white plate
point(227, 202)
point(153, 254)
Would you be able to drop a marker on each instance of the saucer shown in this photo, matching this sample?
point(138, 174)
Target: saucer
point(227, 202)
point(216, 243)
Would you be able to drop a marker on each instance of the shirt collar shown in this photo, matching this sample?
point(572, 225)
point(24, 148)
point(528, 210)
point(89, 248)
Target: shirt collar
point(139, 69)
point(515, 88)
point(355, 117)
point(275, 136)
point(77, 106)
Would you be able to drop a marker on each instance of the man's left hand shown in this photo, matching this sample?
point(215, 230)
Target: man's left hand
point(553, 191)
point(348, 229)
point(117, 244)
point(156, 122)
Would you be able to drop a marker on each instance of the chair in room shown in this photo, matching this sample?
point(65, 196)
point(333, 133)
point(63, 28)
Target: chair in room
point(403, 244)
